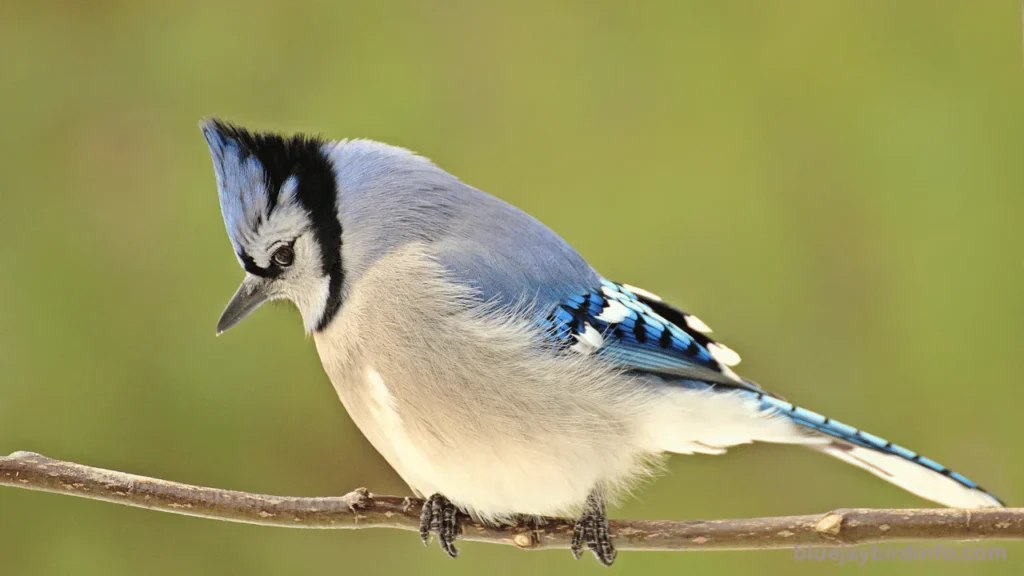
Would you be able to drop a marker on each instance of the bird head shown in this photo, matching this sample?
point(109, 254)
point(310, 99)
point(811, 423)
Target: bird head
point(278, 196)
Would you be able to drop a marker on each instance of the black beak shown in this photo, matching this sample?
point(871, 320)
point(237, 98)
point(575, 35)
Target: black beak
point(253, 292)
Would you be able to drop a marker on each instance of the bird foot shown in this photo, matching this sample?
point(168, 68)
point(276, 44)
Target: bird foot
point(592, 528)
point(441, 517)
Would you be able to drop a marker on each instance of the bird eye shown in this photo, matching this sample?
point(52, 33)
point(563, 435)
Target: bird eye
point(283, 256)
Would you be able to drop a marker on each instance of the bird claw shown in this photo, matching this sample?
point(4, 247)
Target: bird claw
point(441, 517)
point(592, 528)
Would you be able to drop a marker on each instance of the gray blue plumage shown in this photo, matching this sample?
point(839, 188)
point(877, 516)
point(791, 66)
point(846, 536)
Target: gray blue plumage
point(490, 365)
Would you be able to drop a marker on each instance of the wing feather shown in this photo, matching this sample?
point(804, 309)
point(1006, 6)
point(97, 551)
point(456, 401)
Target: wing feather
point(635, 329)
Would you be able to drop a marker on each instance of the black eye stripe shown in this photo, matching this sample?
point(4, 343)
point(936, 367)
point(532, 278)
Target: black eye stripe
point(272, 271)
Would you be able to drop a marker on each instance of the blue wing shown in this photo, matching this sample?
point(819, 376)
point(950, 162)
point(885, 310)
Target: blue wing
point(512, 259)
point(638, 331)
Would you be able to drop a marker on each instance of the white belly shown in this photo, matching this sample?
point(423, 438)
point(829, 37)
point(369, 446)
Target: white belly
point(390, 437)
point(493, 479)
point(463, 406)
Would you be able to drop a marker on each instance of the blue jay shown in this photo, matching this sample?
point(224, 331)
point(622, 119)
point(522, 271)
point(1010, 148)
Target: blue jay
point(497, 372)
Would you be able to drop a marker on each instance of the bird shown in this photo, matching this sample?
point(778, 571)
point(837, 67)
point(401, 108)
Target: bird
point(497, 372)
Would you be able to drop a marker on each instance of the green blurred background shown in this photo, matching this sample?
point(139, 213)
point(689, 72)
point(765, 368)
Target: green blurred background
point(836, 187)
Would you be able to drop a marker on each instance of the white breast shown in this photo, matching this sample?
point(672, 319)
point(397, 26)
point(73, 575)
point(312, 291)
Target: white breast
point(461, 403)
point(400, 449)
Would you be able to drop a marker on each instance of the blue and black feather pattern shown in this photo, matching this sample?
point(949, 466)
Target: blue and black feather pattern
point(646, 335)
point(631, 330)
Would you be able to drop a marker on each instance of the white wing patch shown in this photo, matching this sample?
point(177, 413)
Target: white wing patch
point(725, 355)
point(697, 324)
point(614, 312)
point(639, 309)
point(730, 374)
point(642, 292)
point(588, 341)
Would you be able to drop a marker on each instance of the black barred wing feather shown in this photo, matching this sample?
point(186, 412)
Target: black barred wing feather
point(634, 328)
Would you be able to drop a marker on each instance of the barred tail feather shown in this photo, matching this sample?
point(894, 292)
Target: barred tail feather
point(912, 477)
point(904, 468)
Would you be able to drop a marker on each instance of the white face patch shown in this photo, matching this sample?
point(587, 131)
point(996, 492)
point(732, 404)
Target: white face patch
point(723, 354)
point(287, 222)
point(613, 313)
point(588, 341)
point(697, 324)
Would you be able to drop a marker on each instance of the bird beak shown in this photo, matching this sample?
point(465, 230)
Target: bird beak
point(253, 292)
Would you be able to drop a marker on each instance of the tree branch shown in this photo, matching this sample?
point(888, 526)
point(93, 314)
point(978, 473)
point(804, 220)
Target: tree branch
point(360, 509)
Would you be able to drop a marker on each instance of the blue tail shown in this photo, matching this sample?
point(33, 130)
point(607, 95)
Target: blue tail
point(887, 460)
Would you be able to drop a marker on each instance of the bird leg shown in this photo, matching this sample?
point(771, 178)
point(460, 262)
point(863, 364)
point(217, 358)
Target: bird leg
point(441, 517)
point(592, 528)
